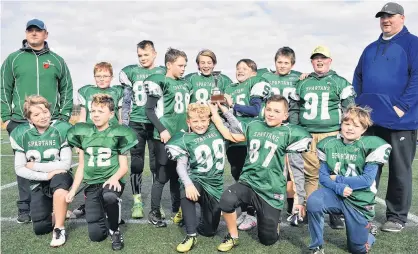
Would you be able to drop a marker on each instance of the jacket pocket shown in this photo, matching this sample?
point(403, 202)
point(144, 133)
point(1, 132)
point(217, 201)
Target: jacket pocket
point(382, 113)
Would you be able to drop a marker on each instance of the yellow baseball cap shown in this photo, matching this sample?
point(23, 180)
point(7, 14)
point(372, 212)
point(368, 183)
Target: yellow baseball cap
point(321, 50)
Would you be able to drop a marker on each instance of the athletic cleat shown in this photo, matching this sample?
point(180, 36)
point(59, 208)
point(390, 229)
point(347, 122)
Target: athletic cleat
point(392, 226)
point(187, 244)
point(137, 211)
point(336, 222)
point(154, 218)
point(249, 223)
point(373, 229)
point(23, 218)
point(178, 217)
point(80, 211)
point(317, 250)
point(58, 237)
point(228, 243)
point(295, 219)
point(241, 218)
point(117, 240)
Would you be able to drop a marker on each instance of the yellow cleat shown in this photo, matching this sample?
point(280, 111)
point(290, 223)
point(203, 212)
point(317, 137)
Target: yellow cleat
point(188, 243)
point(178, 217)
point(228, 243)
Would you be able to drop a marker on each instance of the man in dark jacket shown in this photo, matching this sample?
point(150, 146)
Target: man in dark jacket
point(386, 79)
point(33, 70)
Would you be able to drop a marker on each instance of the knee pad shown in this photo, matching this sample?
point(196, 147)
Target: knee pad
point(228, 201)
point(97, 233)
point(43, 227)
point(268, 239)
point(110, 198)
point(267, 232)
point(162, 179)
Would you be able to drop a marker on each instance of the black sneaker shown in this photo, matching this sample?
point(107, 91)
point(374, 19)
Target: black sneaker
point(23, 218)
point(117, 240)
point(154, 217)
point(80, 211)
point(336, 222)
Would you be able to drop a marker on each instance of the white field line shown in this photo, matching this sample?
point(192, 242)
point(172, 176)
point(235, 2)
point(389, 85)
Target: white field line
point(411, 217)
point(74, 156)
point(15, 183)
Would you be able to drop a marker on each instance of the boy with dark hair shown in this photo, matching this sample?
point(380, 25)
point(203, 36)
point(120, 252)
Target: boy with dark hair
point(167, 99)
point(133, 114)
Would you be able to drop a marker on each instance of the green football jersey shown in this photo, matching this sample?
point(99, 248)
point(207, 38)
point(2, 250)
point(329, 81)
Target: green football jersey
point(320, 101)
point(264, 168)
point(349, 160)
point(44, 147)
point(85, 96)
point(101, 149)
point(173, 98)
point(284, 85)
point(134, 76)
point(202, 85)
point(206, 155)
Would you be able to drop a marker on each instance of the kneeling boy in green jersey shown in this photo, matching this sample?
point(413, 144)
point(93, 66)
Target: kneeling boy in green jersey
point(103, 162)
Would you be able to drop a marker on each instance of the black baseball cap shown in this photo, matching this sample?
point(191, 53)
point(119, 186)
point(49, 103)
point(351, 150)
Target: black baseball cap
point(390, 8)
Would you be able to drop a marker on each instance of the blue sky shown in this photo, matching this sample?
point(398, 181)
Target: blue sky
point(86, 33)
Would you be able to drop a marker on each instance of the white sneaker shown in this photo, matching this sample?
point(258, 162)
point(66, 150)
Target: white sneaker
point(58, 237)
point(249, 223)
point(241, 218)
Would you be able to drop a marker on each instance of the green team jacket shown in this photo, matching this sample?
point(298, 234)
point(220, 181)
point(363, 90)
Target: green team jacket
point(26, 72)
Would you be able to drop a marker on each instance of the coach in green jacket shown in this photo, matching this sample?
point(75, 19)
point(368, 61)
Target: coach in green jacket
point(33, 69)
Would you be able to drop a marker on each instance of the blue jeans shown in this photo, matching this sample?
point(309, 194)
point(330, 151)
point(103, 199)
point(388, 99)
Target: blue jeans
point(325, 200)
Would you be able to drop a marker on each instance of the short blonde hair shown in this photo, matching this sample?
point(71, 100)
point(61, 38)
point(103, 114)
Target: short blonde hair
point(103, 66)
point(202, 110)
point(102, 100)
point(34, 100)
point(363, 115)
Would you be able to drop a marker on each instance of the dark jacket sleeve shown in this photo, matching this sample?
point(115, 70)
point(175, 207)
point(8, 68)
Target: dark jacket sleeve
point(150, 112)
point(358, 76)
point(252, 110)
point(7, 83)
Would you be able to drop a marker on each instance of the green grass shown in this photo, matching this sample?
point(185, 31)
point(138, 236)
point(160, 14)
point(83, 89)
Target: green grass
point(143, 238)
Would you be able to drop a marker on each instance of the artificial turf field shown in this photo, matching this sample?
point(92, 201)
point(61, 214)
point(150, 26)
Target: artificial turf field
point(140, 237)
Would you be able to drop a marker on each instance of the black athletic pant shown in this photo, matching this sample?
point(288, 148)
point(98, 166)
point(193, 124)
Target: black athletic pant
point(23, 185)
point(144, 132)
point(268, 217)
point(209, 208)
point(399, 192)
point(102, 201)
point(42, 202)
point(165, 171)
point(236, 157)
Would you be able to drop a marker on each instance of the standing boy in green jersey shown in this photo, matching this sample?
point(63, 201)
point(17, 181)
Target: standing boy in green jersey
point(203, 81)
point(42, 156)
point(322, 98)
point(167, 99)
point(133, 114)
point(283, 82)
point(103, 162)
point(103, 75)
point(349, 164)
point(262, 183)
point(245, 99)
point(200, 156)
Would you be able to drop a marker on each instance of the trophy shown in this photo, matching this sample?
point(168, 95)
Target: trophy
point(216, 95)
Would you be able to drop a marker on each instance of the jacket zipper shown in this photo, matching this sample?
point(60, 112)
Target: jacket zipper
point(37, 72)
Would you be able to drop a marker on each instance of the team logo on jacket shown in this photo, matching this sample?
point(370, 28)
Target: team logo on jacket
point(47, 64)
point(278, 196)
